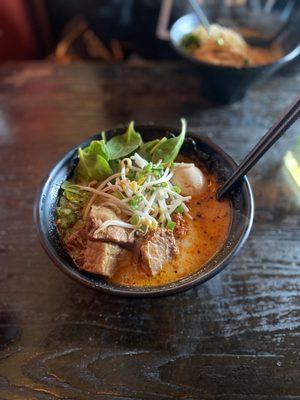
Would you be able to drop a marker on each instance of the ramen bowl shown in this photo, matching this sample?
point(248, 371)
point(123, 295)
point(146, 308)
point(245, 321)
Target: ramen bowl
point(215, 160)
point(226, 84)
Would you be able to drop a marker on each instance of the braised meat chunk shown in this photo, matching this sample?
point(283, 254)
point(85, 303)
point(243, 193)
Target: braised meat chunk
point(76, 244)
point(159, 247)
point(101, 258)
point(114, 234)
point(97, 252)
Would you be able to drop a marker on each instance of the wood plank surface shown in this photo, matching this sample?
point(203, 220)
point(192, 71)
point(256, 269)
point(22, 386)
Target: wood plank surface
point(237, 337)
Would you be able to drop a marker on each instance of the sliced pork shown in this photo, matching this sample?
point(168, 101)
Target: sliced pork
point(76, 244)
point(158, 247)
point(101, 258)
point(114, 234)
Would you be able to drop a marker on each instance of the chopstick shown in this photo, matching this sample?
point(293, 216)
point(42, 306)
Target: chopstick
point(273, 134)
point(200, 14)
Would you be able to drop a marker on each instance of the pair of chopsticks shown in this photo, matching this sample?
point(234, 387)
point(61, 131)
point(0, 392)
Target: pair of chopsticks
point(272, 135)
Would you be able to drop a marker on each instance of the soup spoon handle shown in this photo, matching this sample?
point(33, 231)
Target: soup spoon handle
point(273, 134)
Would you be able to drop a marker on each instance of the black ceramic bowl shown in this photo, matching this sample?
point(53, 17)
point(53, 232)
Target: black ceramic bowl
point(228, 84)
point(215, 160)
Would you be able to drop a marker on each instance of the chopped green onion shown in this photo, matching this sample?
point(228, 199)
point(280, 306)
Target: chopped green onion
point(164, 184)
point(161, 218)
point(179, 209)
point(171, 225)
point(158, 173)
point(148, 167)
point(176, 189)
point(135, 201)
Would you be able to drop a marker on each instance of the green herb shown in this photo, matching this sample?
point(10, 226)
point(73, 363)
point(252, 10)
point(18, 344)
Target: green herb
point(179, 209)
point(158, 171)
point(190, 42)
point(148, 168)
point(146, 148)
point(245, 61)
point(135, 201)
point(169, 149)
point(70, 205)
point(93, 162)
point(161, 218)
point(176, 189)
point(171, 225)
point(122, 145)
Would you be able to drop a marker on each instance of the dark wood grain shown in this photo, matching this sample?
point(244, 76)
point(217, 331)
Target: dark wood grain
point(237, 337)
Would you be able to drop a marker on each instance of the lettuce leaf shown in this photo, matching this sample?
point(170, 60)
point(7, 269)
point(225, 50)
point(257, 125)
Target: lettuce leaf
point(93, 162)
point(146, 148)
point(98, 147)
point(122, 145)
point(168, 150)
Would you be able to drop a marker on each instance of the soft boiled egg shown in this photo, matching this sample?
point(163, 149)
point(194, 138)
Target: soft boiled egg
point(190, 179)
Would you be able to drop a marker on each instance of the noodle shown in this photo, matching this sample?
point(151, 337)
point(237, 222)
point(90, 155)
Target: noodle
point(226, 47)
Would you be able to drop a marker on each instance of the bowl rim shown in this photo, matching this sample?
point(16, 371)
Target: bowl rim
point(281, 61)
point(140, 291)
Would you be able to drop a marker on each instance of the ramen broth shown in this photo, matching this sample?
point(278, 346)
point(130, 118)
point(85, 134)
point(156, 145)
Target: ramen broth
point(207, 233)
point(227, 47)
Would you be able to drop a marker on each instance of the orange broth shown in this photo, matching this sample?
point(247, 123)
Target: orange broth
point(207, 233)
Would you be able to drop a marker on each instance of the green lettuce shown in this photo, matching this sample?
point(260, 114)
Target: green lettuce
point(168, 150)
point(93, 162)
point(145, 150)
point(122, 145)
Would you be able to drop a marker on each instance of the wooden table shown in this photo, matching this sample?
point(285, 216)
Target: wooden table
point(235, 337)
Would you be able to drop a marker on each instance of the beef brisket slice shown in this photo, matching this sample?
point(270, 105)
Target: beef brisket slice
point(114, 234)
point(101, 258)
point(158, 247)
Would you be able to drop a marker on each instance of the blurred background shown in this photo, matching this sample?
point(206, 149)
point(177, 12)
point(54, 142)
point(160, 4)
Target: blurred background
point(106, 30)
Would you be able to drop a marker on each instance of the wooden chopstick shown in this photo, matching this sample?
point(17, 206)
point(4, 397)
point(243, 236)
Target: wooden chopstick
point(273, 134)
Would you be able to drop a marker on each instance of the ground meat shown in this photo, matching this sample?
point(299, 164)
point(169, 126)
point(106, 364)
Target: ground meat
point(181, 228)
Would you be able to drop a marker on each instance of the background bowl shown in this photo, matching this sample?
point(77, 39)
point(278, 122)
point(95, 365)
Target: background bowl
point(215, 159)
point(229, 84)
